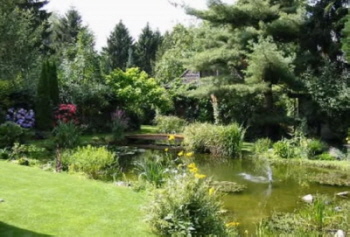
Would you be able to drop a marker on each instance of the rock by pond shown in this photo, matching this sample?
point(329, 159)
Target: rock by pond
point(343, 194)
point(308, 198)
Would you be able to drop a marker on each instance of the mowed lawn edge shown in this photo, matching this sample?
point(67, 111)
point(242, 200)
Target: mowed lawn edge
point(60, 204)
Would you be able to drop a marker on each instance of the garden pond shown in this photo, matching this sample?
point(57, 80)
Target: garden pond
point(269, 186)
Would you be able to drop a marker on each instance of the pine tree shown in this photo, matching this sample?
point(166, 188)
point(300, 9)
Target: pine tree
point(20, 41)
point(346, 39)
point(322, 32)
point(232, 49)
point(118, 45)
point(39, 20)
point(146, 48)
point(70, 26)
point(64, 33)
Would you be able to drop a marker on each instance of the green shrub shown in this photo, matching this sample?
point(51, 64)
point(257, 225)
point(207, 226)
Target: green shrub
point(284, 149)
point(324, 156)
point(186, 207)
point(315, 147)
point(170, 124)
point(92, 161)
point(217, 139)
point(66, 135)
point(4, 154)
point(10, 133)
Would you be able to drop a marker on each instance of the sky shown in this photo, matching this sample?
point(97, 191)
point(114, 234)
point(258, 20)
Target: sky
point(101, 16)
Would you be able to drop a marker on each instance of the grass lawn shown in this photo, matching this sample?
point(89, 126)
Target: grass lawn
point(40, 203)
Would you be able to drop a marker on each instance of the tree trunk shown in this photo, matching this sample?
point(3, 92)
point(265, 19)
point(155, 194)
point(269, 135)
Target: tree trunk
point(216, 112)
point(269, 108)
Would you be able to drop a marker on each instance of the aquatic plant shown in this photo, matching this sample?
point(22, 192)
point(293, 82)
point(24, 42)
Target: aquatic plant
point(154, 168)
point(321, 217)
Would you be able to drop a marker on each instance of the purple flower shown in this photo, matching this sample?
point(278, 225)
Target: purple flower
point(22, 117)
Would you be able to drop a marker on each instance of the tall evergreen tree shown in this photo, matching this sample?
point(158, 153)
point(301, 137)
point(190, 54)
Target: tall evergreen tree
point(234, 50)
point(83, 68)
point(70, 26)
point(146, 48)
point(43, 105)
point(346, 39)
point(118, 45)
point(53, 84)
point(321, 36)
point(20, 39)
point(65, 32)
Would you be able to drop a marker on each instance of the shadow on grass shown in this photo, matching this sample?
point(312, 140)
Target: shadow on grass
point(12, 231)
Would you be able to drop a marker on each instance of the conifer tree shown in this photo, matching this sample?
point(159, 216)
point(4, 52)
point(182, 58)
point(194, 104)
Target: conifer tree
point(146, 48)
point(233, 50)
point(43, 105)
point(118, 45)
point(64, 33)
point(346, 39)
point(53, 84)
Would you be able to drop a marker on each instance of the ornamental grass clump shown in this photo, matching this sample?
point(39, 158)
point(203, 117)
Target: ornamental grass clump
point(216, 139)
point(186, 206)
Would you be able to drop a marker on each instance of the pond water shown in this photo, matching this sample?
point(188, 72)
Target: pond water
point(270, 187)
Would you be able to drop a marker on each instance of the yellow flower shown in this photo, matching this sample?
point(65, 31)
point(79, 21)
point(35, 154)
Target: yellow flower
point(192, 168)
point(199, 176)
point(211, 191)
point(171, 137)
point(189, 154)
point(232, 224)
point(191, 165)
point(166, 149)
point(181, 153)
point(246, 232)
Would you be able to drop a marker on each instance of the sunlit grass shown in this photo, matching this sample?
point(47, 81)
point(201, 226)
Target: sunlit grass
point(66, 205)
